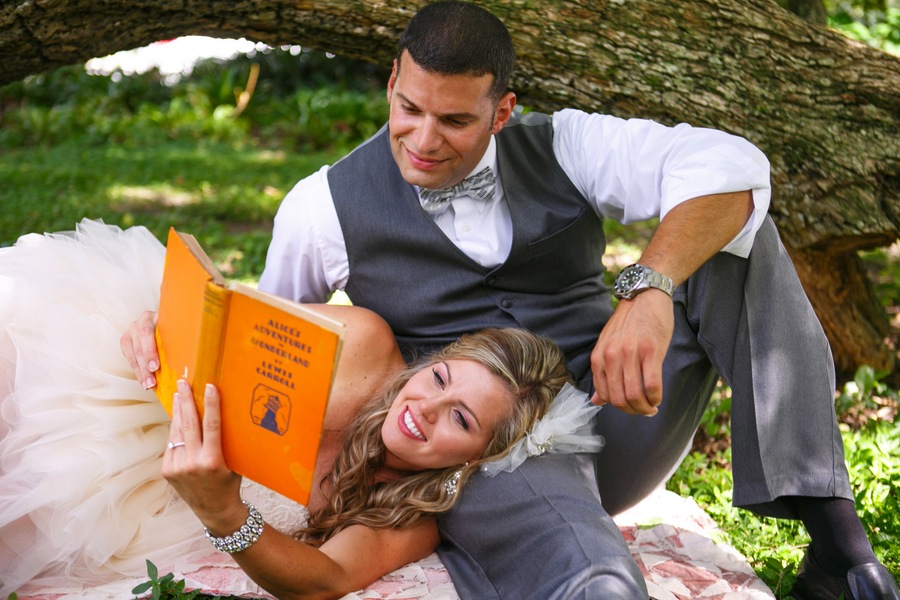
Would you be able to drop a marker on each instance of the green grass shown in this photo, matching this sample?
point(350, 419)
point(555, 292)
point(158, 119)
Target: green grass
point(161, 157)
point(134, 150)
point(227, 197)
point(774, 547)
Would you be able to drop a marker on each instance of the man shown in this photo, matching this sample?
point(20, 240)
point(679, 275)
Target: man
point(525, 251)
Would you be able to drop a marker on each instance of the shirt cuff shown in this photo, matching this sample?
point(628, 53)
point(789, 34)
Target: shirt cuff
point(724, 168)
point(743, 241)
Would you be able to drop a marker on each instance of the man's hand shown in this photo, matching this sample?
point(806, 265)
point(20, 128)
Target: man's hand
point(627, 360)
point(139, 347)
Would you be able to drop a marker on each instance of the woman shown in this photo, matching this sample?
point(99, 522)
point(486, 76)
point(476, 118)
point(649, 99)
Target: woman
point(82, 443)
point(403, 460)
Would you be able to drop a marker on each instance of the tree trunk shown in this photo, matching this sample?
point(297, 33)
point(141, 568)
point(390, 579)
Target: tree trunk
point(808, 10)
point(836, 280)
point(824, 109)
point(843, 298)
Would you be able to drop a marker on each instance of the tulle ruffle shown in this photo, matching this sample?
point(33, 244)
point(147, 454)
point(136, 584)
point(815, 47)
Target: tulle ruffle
point(565, 428)
point(81, 498)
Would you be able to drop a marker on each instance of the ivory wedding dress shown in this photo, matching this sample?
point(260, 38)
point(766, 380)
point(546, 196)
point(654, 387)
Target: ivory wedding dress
point(82, 502)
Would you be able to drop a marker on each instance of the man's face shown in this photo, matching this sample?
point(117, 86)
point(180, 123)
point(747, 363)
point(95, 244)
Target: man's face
point(441, 125)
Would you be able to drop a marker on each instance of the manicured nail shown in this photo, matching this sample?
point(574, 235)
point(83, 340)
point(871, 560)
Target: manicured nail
point(209, 390)
point(149, 383)
point(183, 386)
point(153, 366)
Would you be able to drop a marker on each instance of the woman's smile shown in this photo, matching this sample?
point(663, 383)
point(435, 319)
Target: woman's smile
point(410, 428)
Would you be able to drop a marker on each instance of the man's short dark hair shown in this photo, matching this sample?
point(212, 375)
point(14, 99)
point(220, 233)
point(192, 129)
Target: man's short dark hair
point(457, 38)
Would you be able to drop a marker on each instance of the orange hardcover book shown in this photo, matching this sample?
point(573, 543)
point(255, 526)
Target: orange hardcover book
point(272, 360)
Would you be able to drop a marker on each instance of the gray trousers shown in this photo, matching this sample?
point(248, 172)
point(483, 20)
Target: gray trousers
point(540, 533)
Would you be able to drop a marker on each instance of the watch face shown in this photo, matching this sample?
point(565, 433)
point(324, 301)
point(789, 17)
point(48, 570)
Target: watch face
point(629, 278)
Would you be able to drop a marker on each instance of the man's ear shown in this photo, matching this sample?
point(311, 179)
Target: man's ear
point(392, 80)
point(503, 111)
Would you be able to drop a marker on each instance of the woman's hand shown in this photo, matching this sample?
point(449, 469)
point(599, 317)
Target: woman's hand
point(285, 567)
point(195, 466)
point(138, 344)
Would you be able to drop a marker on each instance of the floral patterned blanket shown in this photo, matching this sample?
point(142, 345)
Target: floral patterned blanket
point(677, 546)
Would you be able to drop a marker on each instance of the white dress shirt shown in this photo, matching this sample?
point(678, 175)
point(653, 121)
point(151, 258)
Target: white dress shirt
point(629, 170)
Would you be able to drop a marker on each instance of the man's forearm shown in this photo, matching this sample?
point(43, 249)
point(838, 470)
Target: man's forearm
point(692, 232)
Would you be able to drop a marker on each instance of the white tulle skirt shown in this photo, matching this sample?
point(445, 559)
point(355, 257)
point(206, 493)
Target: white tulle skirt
point(82, 502)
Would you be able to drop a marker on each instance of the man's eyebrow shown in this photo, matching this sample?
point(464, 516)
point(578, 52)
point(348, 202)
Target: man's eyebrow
point(462, 115)
point(462, 402)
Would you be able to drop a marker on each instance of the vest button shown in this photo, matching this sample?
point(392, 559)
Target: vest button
point(506, 303)
point(491, 280)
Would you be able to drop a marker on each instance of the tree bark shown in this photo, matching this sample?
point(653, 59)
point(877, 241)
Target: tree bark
point(808, 10)
point(823, 108)
point(841, 294)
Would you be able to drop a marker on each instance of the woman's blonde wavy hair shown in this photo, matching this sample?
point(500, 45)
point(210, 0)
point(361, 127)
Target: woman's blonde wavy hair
point(531, 367)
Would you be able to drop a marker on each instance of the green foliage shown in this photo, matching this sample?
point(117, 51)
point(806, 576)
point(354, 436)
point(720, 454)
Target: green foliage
point(68, 103)
point(715, 419)
point(874, 22)
point(225, 196)
point(775, 547)
point(865, 394)
point(143, 150)
point(873, 454)
point(860, 7)
point(163, 588)
point(883, 268)
point(310, 117)
point(298, 107)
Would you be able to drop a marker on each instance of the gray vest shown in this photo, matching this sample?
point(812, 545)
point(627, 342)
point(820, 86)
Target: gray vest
point(404, 268)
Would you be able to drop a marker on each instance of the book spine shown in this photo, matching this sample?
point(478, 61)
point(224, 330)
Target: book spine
point(212, 332)
point(165, 384)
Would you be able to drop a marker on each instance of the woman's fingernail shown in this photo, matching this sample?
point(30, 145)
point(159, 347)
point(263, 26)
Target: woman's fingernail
point(153, 366)
point(209, 389)
point(149, 383)
point(183, 386)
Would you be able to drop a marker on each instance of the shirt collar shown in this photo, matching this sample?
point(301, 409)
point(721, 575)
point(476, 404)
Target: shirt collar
point(488, 160)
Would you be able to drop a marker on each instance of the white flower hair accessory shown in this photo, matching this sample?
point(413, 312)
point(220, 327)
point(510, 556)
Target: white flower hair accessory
point(565, 428)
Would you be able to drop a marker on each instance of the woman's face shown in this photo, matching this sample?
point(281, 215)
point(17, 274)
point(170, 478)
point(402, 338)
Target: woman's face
point(445, 415)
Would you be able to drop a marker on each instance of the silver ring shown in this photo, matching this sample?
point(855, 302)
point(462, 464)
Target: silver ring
point(171, 445)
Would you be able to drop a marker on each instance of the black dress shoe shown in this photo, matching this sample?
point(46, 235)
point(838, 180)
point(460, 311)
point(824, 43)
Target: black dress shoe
point(871, 581)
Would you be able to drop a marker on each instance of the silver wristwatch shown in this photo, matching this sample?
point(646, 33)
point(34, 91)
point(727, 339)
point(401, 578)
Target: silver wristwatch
point(634, 279)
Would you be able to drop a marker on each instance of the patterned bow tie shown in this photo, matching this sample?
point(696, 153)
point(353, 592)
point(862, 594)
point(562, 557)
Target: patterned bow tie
point(480, 185)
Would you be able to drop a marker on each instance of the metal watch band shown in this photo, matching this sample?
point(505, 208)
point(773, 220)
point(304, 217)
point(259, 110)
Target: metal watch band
point(659, 281)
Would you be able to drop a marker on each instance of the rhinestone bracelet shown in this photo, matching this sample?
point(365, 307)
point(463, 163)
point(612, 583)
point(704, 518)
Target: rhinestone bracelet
point(244, 537)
